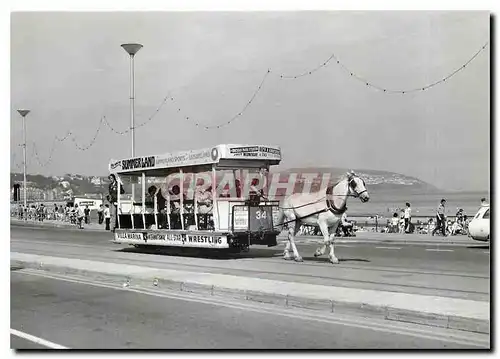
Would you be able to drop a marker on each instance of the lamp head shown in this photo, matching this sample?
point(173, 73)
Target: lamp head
point(132, 49)
point(23, 112)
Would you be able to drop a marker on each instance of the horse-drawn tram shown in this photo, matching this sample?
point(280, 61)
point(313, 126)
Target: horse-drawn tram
point(207, 198)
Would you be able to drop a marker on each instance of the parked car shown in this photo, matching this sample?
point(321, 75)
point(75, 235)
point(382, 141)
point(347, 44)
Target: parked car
point(479, 227)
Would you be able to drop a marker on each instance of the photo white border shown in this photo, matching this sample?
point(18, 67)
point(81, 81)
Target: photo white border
point(199, 5)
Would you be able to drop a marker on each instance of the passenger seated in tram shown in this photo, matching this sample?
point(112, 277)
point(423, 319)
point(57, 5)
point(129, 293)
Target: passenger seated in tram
point(204, 200)
point(175, 199)
point(155, 192)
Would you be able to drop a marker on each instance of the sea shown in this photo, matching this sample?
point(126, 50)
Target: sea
point(385, 203)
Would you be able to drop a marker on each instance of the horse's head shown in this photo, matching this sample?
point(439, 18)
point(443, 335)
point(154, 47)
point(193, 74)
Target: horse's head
point(357, 187)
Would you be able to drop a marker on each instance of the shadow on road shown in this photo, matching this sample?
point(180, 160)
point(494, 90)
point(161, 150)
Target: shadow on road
point(204, 253)
point(481, 246)
point(222, 255)
point(326, 260)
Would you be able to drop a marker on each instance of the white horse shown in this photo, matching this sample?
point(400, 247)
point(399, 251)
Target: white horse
point(323, 209)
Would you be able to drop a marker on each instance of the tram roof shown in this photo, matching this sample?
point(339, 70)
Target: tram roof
point(226, 156)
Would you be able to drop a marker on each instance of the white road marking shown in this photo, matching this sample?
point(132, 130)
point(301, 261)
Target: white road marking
point(439, 250)
point(48, 243)
point(388, 247)
point(487, 252)
point(357, 322)
point(36, 340)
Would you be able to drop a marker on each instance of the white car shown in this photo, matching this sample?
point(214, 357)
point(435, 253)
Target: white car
point(479, 227)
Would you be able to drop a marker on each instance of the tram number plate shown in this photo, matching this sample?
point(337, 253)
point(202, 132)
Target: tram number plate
point(261, 218)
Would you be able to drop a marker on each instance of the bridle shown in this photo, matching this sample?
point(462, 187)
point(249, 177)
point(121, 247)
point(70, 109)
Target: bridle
point(353, 185)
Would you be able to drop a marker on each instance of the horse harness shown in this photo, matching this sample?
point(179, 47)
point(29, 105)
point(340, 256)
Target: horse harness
point(330, 206)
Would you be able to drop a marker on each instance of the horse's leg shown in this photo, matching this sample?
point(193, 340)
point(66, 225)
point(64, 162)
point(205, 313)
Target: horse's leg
point(291, 229)
point(286, 252)
point(293, 233)
point(324, 230)
point(331, 256)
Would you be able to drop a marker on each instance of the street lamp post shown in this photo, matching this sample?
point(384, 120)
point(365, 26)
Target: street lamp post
point(132, 49)
point(23, 113)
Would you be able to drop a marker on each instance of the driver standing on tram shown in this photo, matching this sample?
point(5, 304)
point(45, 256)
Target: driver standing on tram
point(112, 197)
point(255, 194)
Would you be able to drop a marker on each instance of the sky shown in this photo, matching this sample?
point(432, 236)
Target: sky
point(69, 70)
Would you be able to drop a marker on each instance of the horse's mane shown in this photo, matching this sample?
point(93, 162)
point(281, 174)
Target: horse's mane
point(329, 189)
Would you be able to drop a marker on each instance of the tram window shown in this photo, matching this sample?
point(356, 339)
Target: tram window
point(175, 221)
point(138, 222)
point(162, 220)
point(150, 219)
point(125, 221)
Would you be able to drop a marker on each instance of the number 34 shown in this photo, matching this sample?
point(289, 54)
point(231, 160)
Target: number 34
point(261, 215)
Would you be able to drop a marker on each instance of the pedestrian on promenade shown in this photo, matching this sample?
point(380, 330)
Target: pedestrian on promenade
point(441, 218)
point(113, 199)
point(394, 223)
point(107, 216)
point(401, 221)
point(61, 213)
point(407, 217)
point(87, 214)
point(67, 214)
point(100, 214)
point(80, 214)
point(41, 212)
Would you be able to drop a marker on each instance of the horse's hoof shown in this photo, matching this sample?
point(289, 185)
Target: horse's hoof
point(287, 258)
point(316, 254)
point(298, 259)
point(334, 260)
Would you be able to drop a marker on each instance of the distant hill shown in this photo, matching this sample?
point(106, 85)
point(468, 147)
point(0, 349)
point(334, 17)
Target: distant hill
point(375, 179)
point(65, 186)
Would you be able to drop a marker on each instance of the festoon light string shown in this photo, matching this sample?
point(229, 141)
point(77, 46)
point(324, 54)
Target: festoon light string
point(381, 88)
point(252, 98)
point(239, 114)
point(168, 97)
point(93, 141)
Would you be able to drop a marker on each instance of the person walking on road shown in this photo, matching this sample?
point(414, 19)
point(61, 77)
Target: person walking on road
point(441, 218)
point(87, 214)
point(80, 215)
point(407, 216)
point(100, 214)
point(107, 216)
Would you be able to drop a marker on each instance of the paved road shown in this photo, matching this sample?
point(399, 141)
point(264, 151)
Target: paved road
point(84, 316)
point(24, 344)
point(456, 271)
